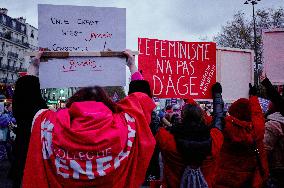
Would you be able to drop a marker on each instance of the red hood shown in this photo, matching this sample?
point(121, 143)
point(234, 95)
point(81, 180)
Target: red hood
point(238, 131)
point(83, 122)
point(89, 108)
point(84, 115)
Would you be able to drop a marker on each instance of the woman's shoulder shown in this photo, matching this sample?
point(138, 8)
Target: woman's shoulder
point(137, 102)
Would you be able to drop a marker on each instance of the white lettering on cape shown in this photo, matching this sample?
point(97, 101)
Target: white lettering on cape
point(46, 138)
point(85, 164)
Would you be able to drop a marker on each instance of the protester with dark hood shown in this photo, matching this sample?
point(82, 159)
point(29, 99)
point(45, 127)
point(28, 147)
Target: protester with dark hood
point(243, 161)
point(94, 142)
point(26, 102)
point(186, 146)
point(274, 135)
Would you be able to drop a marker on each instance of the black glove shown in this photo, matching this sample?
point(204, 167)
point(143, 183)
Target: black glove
point(253, 91)
point(218, 106)
point(216, 88)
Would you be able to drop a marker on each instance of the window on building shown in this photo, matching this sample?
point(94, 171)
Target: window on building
point(22, 28)
point(3, 19)
point(32, 34)
point(1, 58)
point(8, 34)
point(14, 23)
point(2, 46)
point(15, 63)
point(23, 39)
point(8, 63)
point(9, 47)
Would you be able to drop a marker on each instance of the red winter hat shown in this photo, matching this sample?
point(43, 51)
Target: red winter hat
point(190, 101)
point(240, 109)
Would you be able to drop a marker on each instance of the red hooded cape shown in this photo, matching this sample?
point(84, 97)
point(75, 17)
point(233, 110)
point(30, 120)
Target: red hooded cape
point(173, 162)
point(238, 165)
point(89, 146)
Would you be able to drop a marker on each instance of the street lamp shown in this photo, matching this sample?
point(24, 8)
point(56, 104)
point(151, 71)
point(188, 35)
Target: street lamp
point(254, 2)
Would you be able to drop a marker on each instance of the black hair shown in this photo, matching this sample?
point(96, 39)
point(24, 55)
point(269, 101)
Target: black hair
point(95, 93)
point(192, 136)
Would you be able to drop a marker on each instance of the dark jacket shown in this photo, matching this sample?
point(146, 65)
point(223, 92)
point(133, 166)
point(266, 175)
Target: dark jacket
point(27, 101)
point(175, 162)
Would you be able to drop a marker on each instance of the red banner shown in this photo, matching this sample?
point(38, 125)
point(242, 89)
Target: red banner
point(21, 74)
point(177, 69)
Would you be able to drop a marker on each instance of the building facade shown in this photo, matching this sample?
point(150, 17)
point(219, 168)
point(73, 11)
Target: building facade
point(32, 34)
point(15, 36)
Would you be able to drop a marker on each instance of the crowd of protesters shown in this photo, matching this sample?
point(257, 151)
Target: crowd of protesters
point(95, 142)
point(7, 132)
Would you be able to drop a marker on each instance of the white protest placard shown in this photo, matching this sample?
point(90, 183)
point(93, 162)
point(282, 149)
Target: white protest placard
point(235, 72)
point(273, 55)
point(82, 29)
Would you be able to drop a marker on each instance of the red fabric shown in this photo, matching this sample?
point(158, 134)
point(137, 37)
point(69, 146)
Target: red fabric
point(22, 74)
point(190, 101)
point(208, 119)
point(173, 162)
point(89, 146)
point(238, 166)
point(240, 109)
point(238, 131)
point(155, 183)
